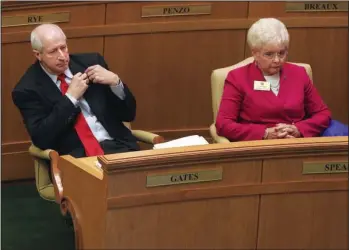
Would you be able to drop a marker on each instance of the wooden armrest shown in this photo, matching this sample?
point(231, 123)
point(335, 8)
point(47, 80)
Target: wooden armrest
point(147, 137)
point(216, 137)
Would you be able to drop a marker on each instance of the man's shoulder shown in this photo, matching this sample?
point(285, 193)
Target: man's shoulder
point(86, 57)
point(28, 80)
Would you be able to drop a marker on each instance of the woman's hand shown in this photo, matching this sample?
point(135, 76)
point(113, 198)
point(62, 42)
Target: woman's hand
point(291, 130)
point(281, 131)
point(274, 133)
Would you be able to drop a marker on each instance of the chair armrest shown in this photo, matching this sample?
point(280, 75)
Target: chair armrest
point(216, 137)
point(52, 156)
point(39, 153)
point(147, 137)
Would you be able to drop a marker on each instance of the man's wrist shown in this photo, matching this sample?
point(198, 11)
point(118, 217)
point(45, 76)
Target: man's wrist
point(72, 99)
point(116, 81)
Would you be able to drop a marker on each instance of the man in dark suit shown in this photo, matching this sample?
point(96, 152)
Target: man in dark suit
point(73, 103)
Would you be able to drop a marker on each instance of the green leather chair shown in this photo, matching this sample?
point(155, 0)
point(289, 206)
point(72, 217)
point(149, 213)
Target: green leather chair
point(218, 77)
point(48, 184)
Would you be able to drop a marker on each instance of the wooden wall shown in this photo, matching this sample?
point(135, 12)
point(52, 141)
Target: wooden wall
point(167, 61)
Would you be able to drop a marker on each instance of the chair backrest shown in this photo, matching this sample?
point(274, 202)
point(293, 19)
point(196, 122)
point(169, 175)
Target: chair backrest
point(218, 77)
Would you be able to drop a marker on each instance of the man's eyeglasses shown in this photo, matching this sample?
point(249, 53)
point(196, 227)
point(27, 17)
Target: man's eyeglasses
point(272, 55)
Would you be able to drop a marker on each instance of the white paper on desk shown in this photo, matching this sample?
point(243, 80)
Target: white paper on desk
point(192, 140)
point(98, 165)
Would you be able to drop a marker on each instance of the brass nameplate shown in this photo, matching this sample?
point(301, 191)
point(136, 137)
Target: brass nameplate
point(176, 10)
point(325, 167)
point(184, 177)
point(31, 19)
point(316, 6)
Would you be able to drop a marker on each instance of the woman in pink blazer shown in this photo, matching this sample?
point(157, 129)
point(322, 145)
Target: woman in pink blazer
point(270, 98)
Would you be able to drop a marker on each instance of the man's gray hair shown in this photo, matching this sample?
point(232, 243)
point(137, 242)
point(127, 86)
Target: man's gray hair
point(267, 31)
point(35, 36)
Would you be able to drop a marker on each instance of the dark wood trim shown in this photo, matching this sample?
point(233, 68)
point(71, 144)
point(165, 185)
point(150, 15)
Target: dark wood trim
point(237, 151)
point(27, 5)
point(67, 206)
point(15, 147)
point(227, 191)
point(179, 26)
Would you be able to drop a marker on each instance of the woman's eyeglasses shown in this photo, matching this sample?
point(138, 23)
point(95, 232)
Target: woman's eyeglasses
point(272, 55)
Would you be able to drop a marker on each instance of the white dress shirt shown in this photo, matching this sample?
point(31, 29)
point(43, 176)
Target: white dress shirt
point(96, 127)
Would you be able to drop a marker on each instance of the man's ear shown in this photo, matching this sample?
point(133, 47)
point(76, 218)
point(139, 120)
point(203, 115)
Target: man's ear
point(37, 54)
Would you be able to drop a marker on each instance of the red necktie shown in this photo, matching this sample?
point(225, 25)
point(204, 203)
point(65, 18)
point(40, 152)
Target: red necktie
point(85, 134)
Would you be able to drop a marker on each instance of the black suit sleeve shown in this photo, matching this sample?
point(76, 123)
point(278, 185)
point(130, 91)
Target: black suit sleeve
point(44, 124)
point(124, 109)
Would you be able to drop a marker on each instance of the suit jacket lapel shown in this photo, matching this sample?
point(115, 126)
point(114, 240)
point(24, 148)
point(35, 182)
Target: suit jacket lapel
point(45, 83)
point(76, 67)
point(256, 73)
point(283, 81)
point(269, 97)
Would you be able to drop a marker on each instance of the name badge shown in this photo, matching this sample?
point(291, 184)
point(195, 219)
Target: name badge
point(260, 85)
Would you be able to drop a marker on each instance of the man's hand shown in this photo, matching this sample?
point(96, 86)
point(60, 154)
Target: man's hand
point(291, 130)
point(98, 74)
point(78, 85)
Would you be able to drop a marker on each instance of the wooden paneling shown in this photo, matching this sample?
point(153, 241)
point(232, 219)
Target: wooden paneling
point(16, 59)
point(81, 15)
point(17, 165)
point(173, 26)
point(278, 9)
point(314, 219)
point(131, 12)
point(324, 50)
point(181, 220)
point(167, 61)
point(170, 78)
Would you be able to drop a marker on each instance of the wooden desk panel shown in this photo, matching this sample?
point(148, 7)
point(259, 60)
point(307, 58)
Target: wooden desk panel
point(311, 213)
point(314, 220)
point(237, 173)
point(281, 210)
point(225, 223)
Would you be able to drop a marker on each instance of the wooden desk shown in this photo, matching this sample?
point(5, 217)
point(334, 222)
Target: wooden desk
point(263, 200)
